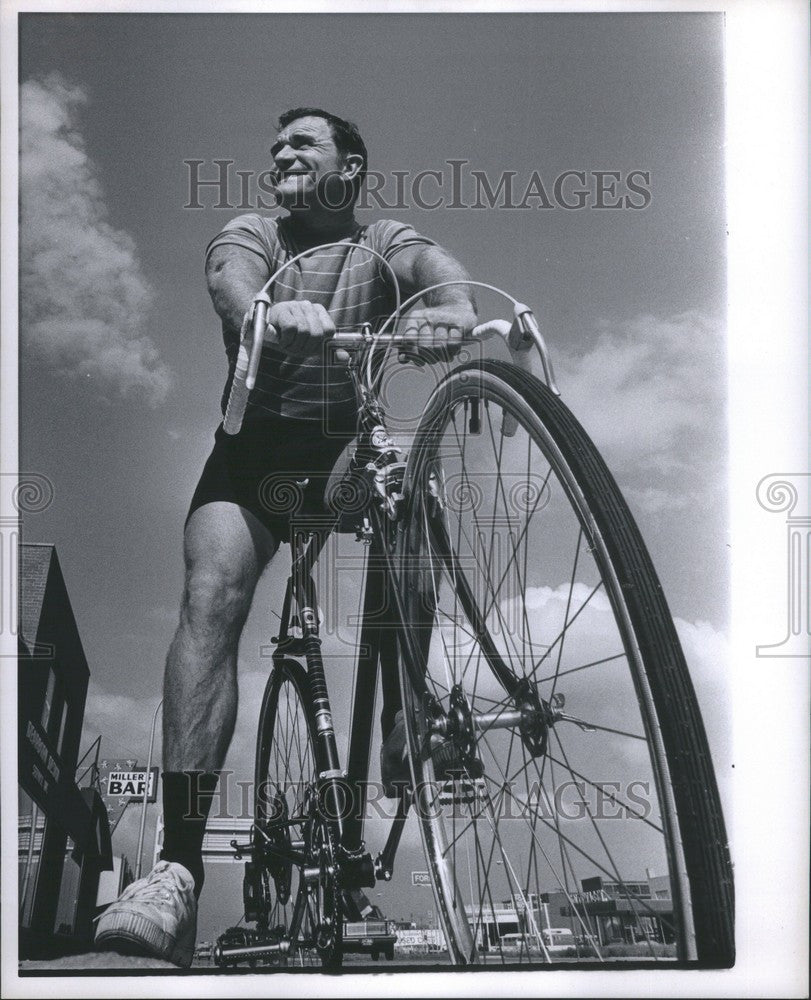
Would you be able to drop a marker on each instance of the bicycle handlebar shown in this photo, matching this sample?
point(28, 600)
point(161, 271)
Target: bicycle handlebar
point(519, 335)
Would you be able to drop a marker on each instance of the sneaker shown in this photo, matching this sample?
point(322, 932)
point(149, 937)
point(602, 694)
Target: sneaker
point(394, 770)
point(155, 917)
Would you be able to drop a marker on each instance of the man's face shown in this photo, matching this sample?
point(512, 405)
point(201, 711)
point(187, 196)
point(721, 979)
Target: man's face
point(304, 155)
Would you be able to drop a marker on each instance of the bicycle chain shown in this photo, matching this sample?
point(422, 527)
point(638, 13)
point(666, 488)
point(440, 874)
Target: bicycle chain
point(324, 943)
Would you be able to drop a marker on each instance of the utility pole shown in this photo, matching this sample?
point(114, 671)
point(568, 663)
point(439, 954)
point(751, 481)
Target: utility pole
point(146, 794)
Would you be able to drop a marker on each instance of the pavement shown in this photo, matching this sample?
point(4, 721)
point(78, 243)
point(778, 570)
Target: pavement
point(110, 962)
point(95, 960)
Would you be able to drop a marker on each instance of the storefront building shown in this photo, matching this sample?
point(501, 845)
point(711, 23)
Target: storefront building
point(616, 913)
point(63, 830)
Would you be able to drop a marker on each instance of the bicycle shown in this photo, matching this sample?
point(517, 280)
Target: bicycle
point(516, 586)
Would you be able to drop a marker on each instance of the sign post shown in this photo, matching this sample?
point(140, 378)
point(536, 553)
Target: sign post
point(146, 796)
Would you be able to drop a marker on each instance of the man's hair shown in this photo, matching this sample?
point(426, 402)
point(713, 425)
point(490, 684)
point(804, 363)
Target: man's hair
point(345, 135)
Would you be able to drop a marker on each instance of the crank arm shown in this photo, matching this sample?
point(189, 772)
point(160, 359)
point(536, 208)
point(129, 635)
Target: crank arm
point(384, 862)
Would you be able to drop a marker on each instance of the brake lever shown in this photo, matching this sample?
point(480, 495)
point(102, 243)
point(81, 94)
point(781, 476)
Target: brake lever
point(261, 304)
point(527, 332)
point(519, 336)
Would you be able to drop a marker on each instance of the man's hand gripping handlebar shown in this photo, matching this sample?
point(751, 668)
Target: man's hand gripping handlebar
point(519, 335)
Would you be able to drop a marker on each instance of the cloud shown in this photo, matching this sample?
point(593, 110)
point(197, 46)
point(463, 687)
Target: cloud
point(84, 298)
point(122, 721)
point(706, 650)
point(656, 500)
point(240, 757)
point(604, 694)
point(650, 393)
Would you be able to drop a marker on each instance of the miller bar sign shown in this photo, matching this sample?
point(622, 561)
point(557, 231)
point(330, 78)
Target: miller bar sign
point(132, 784)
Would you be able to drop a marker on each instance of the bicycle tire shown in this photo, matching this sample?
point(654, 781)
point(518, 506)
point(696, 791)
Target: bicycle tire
point(285, 786)
point(692, 834)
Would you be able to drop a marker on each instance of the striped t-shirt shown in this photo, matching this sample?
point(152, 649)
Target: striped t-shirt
point(352, 285)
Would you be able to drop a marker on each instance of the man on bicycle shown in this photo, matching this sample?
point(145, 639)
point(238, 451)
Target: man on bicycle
point(299, 418)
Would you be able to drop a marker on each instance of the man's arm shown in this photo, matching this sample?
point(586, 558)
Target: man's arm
point(235, 275)
point(421, 266)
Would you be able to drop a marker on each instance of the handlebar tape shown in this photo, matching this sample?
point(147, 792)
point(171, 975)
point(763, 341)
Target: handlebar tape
point(250, 351)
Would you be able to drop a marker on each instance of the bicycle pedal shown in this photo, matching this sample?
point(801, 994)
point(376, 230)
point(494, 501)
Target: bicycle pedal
point(462, 792)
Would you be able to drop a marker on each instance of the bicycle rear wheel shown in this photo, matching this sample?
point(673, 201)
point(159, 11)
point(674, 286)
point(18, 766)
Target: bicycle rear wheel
point(567, 802)
point(299, 905)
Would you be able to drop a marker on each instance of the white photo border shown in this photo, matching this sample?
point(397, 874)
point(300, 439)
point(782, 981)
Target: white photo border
point(767, 177)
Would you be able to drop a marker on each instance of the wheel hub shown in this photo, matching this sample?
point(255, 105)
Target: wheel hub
point(460, 727)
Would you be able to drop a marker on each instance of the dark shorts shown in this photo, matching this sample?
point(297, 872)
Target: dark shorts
point(263, 469)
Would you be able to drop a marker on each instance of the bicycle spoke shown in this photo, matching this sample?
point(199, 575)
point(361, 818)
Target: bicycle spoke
point(594, 663)
point(285, 779)
point(597, 830)
point(542, 666)
point(473, 548)
point(560, 635)
point(601, 789)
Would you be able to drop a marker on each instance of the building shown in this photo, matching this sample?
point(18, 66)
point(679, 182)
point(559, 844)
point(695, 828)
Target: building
point(490, 922)
point(621, 913)
point(609, 912)
point(113, 882)
point(63, 830)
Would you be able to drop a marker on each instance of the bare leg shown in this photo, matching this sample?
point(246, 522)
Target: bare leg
point(226, 549)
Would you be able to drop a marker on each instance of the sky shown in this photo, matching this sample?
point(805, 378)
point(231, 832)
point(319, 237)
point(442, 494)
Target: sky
point(121, 361)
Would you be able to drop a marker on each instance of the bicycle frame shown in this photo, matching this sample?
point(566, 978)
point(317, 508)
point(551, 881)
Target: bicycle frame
point(378, 634)
point(381, 629)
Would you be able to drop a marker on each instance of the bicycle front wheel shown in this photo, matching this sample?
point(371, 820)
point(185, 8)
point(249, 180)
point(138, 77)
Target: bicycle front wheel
point(562, 777)
point(297, 904)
